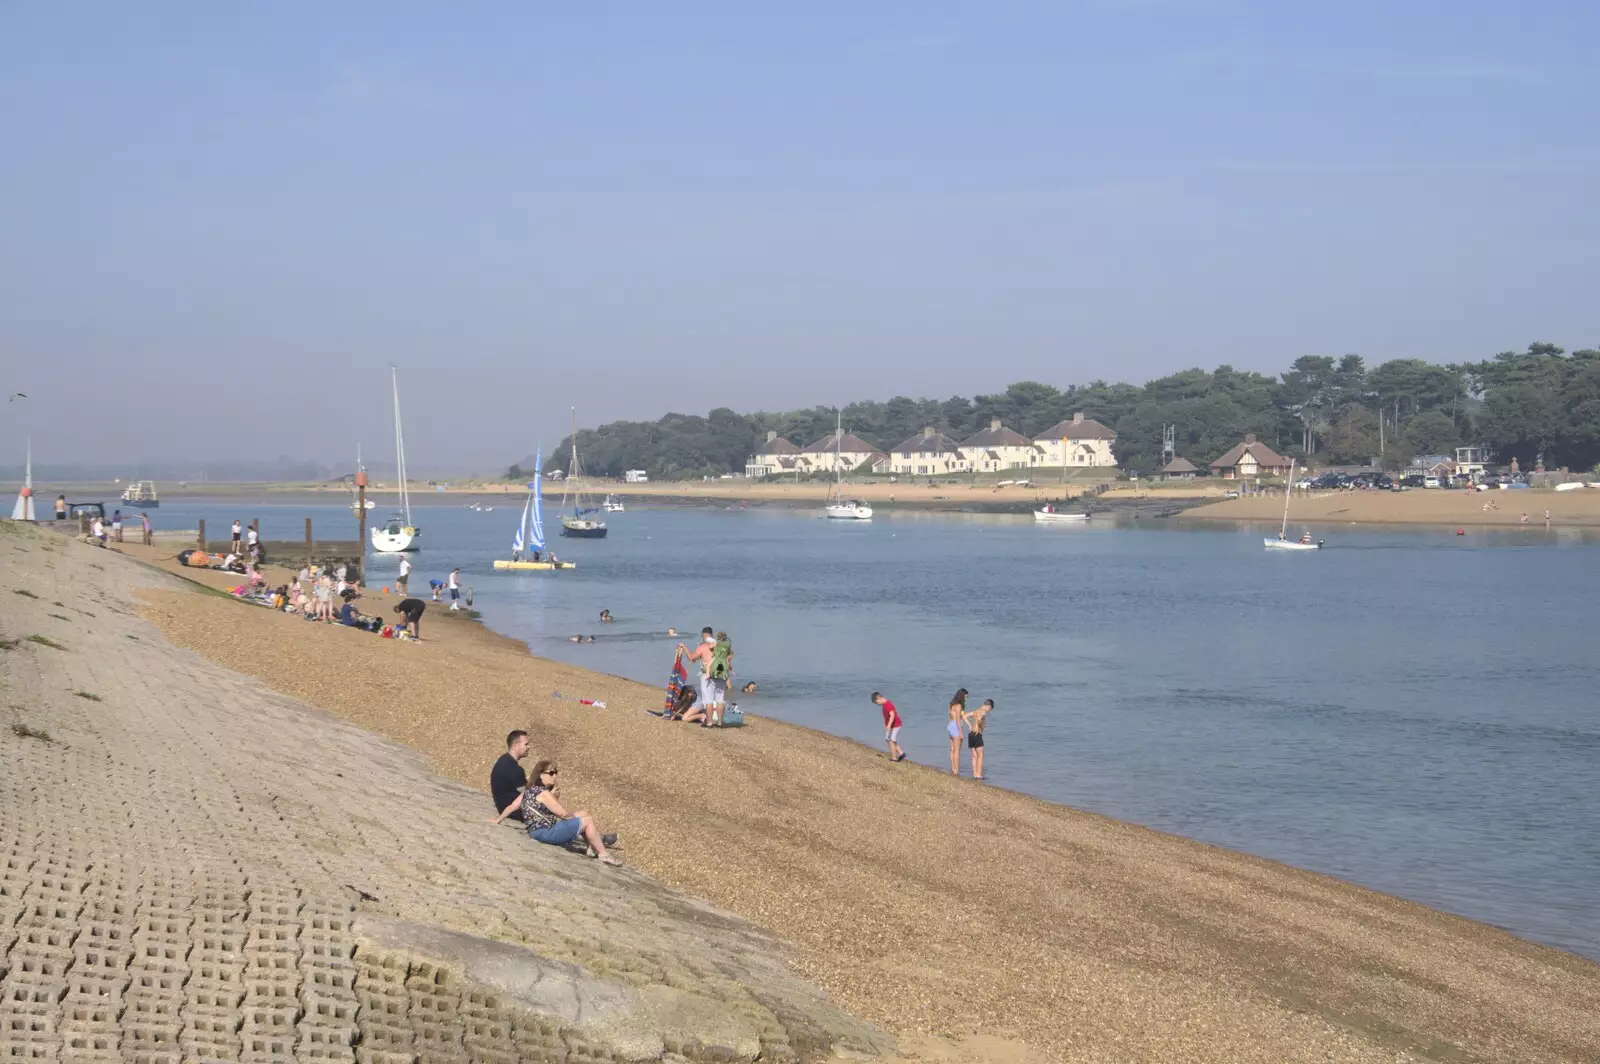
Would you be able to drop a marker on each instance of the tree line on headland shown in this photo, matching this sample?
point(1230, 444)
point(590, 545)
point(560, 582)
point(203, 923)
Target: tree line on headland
point(1538, 404)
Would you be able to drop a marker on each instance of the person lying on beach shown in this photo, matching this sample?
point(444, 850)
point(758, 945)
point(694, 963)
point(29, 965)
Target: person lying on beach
point(411, 609)
point(549, 822)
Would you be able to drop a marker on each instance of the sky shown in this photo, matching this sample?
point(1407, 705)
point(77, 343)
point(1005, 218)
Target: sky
point(220, 224)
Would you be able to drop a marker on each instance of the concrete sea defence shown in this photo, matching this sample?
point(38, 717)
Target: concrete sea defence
point(969, 922)
point(195, 867)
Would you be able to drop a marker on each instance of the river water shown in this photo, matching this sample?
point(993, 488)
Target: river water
point(1407, 709)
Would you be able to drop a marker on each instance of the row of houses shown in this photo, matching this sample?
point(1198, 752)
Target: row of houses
point(1078, 442)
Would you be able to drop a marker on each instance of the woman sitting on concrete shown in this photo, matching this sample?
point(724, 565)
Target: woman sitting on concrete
point(548, 820)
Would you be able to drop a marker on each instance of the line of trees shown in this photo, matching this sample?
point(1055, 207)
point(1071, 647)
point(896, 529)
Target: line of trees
point(1538, 404)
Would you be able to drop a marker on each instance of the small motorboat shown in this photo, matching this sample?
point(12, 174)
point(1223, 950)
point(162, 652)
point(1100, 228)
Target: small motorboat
point(1050, 516)
point(613, 505)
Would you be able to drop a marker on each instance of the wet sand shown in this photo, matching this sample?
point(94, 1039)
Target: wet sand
point(940, 908)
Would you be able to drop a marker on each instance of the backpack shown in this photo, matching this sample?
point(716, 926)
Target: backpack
point(721, 659)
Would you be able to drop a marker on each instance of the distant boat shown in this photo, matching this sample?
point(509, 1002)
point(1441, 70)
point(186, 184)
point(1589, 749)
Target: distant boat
point(612, 505)
point(579, 524)
point(398, 535)
point(1283, 542)
point(141, 493)
point(530, 533)
point(1051, 517)
point(839, 508)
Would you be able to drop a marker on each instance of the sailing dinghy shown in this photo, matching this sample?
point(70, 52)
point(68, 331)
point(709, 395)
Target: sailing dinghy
point(529, 541)
point(1283, 542)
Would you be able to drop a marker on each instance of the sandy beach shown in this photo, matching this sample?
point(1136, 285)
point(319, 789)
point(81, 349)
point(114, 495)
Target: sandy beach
point(1462, 509)
point(937, 908)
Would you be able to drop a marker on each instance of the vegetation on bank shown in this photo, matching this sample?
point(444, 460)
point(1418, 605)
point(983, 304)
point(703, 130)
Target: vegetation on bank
point(1528, 405)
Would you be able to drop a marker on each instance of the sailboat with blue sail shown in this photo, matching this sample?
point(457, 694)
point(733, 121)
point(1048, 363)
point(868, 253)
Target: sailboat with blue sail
point(527, 547)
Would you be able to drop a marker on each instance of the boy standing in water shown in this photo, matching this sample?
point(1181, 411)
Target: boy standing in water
point(891, 726)
point(975, 722)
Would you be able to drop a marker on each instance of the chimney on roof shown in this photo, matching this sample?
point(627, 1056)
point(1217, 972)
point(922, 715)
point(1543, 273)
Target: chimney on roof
point(927, 432)
point(771, 435)
point(1077, 418)
point(1249, 437)
point(994, 423)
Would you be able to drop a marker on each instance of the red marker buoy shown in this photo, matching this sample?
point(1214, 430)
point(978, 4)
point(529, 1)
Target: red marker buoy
point(1461, 531)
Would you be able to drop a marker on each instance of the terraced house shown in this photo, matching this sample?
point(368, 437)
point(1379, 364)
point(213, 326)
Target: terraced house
point(997, 448)
point(838, 450)
point(931, 453)
point(777, 455)
point(1078, 442)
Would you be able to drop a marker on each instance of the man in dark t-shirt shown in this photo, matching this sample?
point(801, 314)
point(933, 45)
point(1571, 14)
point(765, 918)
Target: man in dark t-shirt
point(411, 609)
point(506, 779)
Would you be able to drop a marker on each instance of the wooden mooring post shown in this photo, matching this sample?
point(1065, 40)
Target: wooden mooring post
point(201, 541)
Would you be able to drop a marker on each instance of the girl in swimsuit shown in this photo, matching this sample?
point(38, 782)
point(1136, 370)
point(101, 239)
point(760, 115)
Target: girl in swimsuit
point(958, 715)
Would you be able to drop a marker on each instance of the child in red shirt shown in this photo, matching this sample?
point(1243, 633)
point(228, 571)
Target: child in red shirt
point(891, 726)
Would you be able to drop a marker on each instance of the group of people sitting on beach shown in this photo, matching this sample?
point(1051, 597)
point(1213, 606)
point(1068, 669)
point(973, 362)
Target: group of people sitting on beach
point(532, 801)
point(962, 721)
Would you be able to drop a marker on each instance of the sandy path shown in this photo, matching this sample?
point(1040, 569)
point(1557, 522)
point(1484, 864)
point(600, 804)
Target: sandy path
point(934, 905)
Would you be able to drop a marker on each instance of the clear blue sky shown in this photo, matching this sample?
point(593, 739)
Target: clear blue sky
point(222, 222)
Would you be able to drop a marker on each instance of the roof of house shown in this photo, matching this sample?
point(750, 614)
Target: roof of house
point(779, 445)
point(1263, 455)
point(1180, 465)
point(993, 455)
point(938, 443)
point(847, 444)
point(997, 437)
point(1086, 429)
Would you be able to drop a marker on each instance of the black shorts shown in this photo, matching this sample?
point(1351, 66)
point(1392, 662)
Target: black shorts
point(975, 740)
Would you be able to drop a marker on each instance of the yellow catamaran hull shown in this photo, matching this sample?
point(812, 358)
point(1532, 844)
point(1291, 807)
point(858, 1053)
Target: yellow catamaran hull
point(500, 564)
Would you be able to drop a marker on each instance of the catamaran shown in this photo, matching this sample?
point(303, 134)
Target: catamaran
point(398, 534)
point(1283, 542)
point(580, 524)
point(839, 508)
point(527, 548)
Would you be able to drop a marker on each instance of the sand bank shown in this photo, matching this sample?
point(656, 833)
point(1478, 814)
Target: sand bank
point(1568, 509)
point(934, 906)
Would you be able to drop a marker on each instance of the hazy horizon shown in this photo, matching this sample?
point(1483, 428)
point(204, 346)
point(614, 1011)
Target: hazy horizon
point(224, 224)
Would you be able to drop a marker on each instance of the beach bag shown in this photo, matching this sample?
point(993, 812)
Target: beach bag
point(720, 659)
point(732, 716)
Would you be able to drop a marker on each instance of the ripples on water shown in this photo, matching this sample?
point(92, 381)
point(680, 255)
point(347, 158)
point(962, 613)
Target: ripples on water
point(1407, 709)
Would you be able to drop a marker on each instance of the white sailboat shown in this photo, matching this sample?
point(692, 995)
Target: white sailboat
point(839, 508)
point(527, 547)
point(398, 534)
point(1283, 542)
point(579, 524)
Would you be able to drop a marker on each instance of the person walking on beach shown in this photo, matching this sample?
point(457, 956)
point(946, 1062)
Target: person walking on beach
point(237, 547)
point(411, 609)
point(455, 589)
point(891, 726)
point(116, 524)
point(144, 527)
point(61, 507)
point(404, 578)
point(975, 722)
point(953, 728)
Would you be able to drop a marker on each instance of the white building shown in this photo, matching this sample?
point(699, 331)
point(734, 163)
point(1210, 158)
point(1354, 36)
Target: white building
point(997, 448)
point(777, 455)
point(930, 454)
point(1078, 442)
point(836, 450)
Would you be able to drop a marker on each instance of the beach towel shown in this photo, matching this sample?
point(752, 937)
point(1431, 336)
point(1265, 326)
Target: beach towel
point(675, 681)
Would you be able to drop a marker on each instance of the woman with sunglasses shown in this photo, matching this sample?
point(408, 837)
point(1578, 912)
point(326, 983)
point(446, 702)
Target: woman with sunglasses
point(548, 820)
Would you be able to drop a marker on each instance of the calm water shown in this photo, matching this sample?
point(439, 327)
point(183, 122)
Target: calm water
point(1409, 710)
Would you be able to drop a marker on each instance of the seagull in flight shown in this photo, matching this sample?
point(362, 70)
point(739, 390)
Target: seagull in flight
point(14, 396)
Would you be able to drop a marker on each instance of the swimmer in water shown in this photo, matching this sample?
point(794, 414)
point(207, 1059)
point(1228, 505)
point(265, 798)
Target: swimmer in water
point(749, 688)
point(605, 616)
point(672, 631)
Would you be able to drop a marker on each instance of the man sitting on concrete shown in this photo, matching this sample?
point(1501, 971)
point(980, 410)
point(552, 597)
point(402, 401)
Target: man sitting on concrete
point(506, 779)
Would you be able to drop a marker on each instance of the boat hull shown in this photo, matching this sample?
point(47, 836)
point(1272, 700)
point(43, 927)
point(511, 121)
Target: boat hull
point(536, 566)
point(143, 504)
point(584, 531)
point(1059, 519)
point(399, 542)
point(1289, 544)
point(848, 513)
